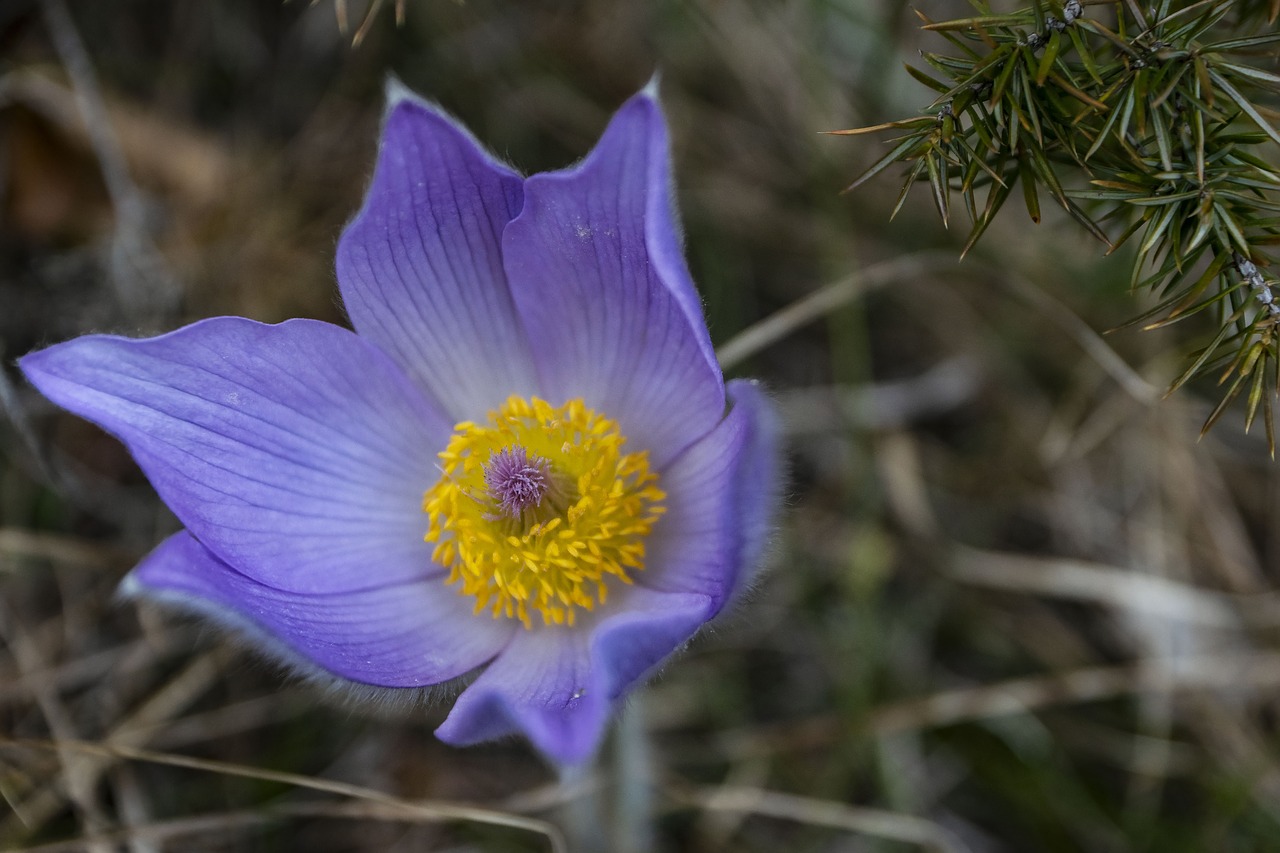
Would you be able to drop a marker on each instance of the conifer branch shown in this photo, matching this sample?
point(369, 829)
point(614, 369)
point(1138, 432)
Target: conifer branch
point(1144, 120)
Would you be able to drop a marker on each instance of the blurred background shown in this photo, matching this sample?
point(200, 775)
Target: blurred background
point(1015, 603)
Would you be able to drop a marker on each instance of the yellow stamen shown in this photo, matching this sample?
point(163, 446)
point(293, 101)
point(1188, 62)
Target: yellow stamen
point(555, 557)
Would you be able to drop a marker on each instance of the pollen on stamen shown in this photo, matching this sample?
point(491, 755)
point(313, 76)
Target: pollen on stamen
point(539, 509)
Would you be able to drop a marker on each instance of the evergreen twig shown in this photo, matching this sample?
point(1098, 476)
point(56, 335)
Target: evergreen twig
point(1143, 119)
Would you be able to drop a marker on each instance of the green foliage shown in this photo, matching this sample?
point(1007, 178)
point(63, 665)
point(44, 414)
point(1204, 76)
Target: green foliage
point(1145, 121)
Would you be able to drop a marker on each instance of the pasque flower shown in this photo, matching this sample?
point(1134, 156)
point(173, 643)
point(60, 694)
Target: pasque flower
point(523, 463)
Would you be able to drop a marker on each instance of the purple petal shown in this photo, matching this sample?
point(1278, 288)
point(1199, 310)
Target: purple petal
point(402, 635)
point(420, 267)
point(759, 478)
point(648, 628)
point(596, 271)
point(721, 494)
point(541, 686)
point(297, 453)
point(558, 686)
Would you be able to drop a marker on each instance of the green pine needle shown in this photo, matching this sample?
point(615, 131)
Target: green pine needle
point(1153, 116)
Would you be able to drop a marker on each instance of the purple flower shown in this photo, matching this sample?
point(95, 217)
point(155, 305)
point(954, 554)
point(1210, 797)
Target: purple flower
point(524, 461)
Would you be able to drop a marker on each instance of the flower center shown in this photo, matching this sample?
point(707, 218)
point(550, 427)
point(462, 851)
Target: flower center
point(520, 486)
point(538, 507)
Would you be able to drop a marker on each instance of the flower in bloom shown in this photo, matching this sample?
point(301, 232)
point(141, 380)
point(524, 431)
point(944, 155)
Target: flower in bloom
point(524, 463)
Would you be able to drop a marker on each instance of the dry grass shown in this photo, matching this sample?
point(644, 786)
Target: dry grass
point(1014, 604)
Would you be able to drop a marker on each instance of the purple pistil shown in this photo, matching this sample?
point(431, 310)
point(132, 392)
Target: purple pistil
point(517, 482)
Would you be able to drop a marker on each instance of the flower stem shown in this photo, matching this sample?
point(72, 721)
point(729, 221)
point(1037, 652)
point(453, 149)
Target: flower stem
point(633, 791)
point(580, 816)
